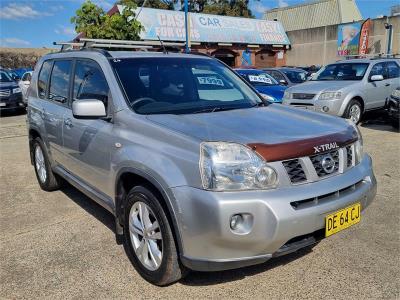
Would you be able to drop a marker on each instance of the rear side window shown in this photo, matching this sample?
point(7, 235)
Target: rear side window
point(89, 82)
point(393, 70)
point(44, 78)
point(59, 81)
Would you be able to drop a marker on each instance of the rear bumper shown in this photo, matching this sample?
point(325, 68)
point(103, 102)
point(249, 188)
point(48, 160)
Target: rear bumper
point(278, 228)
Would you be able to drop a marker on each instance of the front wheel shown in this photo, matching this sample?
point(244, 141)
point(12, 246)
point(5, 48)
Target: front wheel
point(354, 111)
point(149, 239)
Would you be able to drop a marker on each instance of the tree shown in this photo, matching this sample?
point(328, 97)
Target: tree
point(235, 8)
point(93, 22)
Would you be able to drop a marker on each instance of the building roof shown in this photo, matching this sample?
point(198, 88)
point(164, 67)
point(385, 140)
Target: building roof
point(316, 13)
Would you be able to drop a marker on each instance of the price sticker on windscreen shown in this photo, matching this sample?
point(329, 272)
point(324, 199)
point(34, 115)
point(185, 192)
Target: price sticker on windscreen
point(259, 78)
point(210, 81)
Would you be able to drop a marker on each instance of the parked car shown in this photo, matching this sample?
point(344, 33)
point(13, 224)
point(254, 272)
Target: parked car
point(287, 76)
point(199, 171)
point(24, 85)
point(10, 92)
point(394, 107)
point(266, 85)
point(347, 88)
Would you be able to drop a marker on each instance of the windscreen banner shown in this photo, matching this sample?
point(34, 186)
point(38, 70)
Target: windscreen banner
point(169, 25)
point(353, 38)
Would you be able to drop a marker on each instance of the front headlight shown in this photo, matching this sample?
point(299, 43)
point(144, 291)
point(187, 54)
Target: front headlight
point(268, 98)
point(330, 96)
point(16, 90)
point(230, 166)
point(396, 94)
point(286, 95)
point(359, 144)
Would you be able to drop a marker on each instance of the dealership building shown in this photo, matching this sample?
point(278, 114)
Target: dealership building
point(312, 33)
point(239, 42)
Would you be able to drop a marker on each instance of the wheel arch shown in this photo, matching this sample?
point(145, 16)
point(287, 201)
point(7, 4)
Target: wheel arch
point(129, 177)
point(33, 134)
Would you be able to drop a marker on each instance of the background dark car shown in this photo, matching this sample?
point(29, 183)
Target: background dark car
point(266, 85)
point(288, 76)
point(10, 92)
point(394, 107)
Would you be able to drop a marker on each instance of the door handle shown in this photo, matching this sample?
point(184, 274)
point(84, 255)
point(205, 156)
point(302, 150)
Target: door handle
point(68, 123)
point(387, 84)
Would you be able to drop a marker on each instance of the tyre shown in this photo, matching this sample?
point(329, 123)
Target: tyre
point(48, 181)
point(395, 123)
point(149, 241)
point(354, 111)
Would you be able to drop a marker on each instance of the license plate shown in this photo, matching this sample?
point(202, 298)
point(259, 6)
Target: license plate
point(342, 219)
point(2, 104)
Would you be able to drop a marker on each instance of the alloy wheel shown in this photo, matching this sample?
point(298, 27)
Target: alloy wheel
point(40, 164)
point(355, 113)
point(145, 234)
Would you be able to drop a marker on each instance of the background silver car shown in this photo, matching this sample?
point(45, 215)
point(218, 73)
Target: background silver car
point(347, 88)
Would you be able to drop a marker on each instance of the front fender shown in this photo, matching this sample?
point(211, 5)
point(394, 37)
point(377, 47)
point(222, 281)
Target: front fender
point(351, 95)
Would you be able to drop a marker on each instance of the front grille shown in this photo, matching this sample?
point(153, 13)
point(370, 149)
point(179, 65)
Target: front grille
point(317, 162)
point(300, 204)
point(310, 168)
point(349, 156)
point(4, 93)
point(303, 96)
point(295, 170)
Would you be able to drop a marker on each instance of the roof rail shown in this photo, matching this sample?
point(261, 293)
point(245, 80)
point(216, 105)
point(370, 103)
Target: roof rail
point(371, 56)
point(86, 43)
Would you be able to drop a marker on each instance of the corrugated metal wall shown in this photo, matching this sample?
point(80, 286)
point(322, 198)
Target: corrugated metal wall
point(316, 14)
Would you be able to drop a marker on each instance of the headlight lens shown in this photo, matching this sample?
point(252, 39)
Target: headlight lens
point(359, 144)
point(229, 166)
point(396, 94)
point(287, 95)
point(16, 90)
point(267, 97)
point(330, 95)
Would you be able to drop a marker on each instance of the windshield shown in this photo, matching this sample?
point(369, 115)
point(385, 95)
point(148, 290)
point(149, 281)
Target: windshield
point(258, 79)
point(167, 85)
point(342, 71)
point(296, 76)
point(5, 77)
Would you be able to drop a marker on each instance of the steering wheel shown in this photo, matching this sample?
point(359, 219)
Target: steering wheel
point(143, 99)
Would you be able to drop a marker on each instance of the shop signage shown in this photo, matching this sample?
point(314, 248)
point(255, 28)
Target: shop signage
point(170, 26)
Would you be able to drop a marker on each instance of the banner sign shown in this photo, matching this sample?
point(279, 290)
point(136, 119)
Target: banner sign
point(348, 38)
point(169, 25)
point(353, 38)
point(364, 35)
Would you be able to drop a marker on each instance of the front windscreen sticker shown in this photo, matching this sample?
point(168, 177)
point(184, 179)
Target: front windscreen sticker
point(260, 78)
point(210, 80)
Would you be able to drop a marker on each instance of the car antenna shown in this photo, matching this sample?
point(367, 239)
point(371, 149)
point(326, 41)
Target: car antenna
point(162, 45)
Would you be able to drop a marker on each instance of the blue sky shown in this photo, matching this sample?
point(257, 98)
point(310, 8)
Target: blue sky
point(37, 23)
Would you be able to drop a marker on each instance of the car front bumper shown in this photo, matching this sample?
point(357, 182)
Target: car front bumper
point(204, 218)
point(11, 102)
point(332, 107)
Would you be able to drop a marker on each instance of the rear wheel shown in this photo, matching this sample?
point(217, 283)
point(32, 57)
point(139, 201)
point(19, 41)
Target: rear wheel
point(48, 181)
point(354, 111)
point(148, 238)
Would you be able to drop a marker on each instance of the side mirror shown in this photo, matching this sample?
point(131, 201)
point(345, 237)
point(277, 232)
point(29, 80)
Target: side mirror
point(283, 82)
point(88, 109)
point(376, 77)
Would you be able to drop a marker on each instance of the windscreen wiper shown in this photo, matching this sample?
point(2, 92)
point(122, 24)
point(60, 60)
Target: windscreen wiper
point(213, 109)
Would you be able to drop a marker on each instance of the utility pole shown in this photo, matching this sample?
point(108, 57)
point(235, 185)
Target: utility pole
point(187, 49)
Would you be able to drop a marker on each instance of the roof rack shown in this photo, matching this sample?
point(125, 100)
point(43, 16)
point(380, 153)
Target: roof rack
point(86, 43)
point(371, 56)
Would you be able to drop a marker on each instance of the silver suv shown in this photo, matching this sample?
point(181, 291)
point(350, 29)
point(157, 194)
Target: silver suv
point(198, 171)
point(347, 88)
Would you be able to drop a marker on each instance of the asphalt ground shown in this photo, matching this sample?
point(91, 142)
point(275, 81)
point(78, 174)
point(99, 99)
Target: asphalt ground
point(62, 245)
